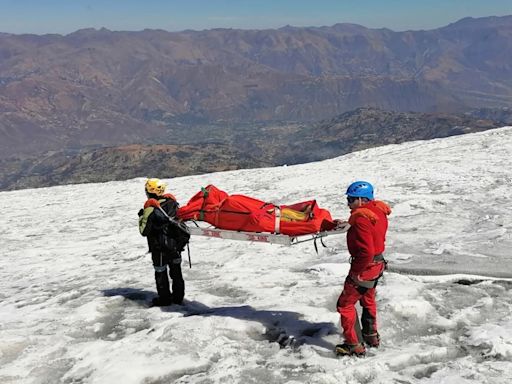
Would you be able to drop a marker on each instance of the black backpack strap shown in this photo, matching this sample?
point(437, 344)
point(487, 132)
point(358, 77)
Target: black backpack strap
point(170, 206)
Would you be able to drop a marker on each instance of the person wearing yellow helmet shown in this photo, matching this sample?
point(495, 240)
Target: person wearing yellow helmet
point(164, 242)
point(155, 187)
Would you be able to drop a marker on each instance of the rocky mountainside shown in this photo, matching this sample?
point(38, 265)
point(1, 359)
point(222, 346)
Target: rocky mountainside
point(369, 127)
point(249, 147)
point(121, 163)
point(104, 88)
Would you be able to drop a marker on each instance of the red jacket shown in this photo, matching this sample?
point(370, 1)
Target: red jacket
point(366, 239)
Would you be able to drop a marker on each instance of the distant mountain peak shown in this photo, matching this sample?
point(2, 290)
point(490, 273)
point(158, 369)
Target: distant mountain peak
point(472, 22)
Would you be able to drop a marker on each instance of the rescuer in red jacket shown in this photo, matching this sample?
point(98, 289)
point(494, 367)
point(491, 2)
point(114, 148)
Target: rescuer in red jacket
point(366, 243)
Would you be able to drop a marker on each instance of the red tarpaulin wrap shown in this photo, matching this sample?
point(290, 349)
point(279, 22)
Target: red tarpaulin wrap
point(243, 213)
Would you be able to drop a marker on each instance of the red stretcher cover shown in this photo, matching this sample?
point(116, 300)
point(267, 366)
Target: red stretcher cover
point(244, 213)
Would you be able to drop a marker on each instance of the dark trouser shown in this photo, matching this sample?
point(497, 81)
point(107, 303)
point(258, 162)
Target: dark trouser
point(348, 315)
point(162, 260)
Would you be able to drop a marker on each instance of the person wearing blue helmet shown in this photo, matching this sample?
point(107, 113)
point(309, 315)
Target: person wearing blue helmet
point(366, 243)
point(362, 189)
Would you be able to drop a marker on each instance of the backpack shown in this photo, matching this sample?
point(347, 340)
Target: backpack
point(175, 234)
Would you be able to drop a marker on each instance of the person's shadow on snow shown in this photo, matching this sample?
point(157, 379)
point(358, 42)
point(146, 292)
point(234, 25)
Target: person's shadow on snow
point(284, 327)
point(137, 295)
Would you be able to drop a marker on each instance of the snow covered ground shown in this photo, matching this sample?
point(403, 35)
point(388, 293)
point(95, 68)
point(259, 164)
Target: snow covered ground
point(75, 279)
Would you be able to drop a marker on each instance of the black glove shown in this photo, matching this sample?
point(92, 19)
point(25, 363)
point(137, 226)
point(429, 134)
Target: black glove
point(141, 212)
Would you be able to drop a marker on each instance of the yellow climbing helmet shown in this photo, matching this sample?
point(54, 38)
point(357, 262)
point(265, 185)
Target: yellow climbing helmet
point(155, 186)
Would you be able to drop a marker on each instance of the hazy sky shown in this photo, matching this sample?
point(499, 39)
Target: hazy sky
point(65, 16)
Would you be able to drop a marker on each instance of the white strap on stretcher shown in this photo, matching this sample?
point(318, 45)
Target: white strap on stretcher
point(277, 213)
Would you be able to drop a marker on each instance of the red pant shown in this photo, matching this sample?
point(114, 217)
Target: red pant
point(346, 307)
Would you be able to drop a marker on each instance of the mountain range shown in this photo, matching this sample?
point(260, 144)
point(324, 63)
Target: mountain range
point(73, 95)
point(102, 87)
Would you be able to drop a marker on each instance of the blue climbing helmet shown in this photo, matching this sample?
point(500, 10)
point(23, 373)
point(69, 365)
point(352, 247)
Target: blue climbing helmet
point(360, 189)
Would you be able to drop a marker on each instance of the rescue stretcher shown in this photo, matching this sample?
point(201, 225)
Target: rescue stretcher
point(239, 217)
point(262, 237)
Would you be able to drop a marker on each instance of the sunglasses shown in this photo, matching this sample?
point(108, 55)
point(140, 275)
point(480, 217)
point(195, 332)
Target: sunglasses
point(351, 199)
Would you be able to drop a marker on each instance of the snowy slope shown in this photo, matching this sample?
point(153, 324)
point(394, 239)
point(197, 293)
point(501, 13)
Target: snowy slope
point(74, 279)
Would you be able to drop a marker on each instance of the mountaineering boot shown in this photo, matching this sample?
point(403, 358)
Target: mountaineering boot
point(161, 301)
point(372, 339)
point(350, 350)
